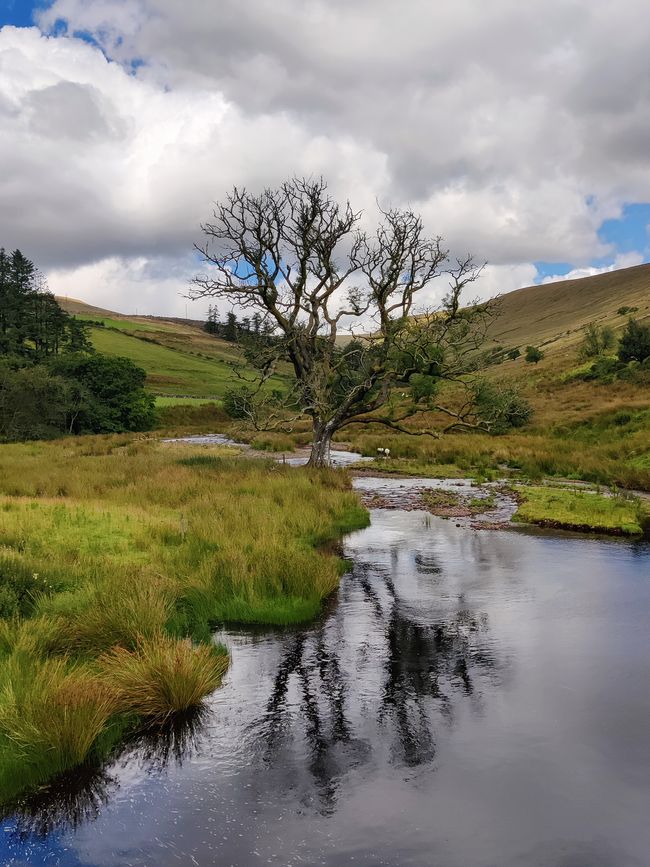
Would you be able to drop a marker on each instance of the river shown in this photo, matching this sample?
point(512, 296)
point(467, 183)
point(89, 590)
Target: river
point(471, 698)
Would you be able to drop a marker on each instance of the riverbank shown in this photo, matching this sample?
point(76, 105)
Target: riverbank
point(488, 499)
point(497, 505)
point(117, 558)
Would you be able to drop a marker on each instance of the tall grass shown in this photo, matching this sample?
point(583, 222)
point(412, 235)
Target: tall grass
point(162, 676)
point(127, 551)
point(606, 448)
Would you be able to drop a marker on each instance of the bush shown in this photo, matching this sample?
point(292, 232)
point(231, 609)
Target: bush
point(501, 407)
point(635, 342)
point(597, 339)
point(514, 354)
point(237, 402)
point(112, 398)
point(533, 354)
point(34, 404)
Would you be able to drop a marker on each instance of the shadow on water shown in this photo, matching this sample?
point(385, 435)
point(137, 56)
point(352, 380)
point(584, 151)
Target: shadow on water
point(78, 796)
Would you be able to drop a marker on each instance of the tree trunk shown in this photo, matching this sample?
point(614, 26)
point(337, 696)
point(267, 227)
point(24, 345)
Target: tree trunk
point(320, 447)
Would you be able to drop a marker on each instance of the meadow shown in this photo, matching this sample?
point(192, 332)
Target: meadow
point(118, 556)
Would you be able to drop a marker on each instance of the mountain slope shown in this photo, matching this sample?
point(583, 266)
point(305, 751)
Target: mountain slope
point(556, 313)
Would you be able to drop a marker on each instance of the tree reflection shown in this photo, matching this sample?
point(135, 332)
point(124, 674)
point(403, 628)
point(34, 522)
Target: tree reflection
point(421, 666)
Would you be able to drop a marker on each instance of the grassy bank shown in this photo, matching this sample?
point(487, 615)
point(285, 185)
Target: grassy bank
point(610, 448)
point(582, 510)
point(116, 556)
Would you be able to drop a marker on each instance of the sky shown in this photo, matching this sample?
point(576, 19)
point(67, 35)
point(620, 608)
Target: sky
point(520, 131)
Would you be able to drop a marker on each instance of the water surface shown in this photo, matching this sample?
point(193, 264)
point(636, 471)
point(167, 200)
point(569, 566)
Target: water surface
point(470, 699)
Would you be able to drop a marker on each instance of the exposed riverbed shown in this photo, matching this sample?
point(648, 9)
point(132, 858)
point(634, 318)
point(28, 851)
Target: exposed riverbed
point(470, 698)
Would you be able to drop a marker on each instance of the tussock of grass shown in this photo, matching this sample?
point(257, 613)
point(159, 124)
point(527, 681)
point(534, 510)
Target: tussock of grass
point(115, 552)
point(51, 715)
point(273, 442)
point(113, 613)
point(162, 675)
point(572, 509)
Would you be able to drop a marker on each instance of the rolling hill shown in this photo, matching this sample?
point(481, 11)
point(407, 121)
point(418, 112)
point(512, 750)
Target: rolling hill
point(554, 314)
point(183, 362)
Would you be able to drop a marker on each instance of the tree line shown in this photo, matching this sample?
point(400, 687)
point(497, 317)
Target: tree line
point(234, 330)
point(52, 381)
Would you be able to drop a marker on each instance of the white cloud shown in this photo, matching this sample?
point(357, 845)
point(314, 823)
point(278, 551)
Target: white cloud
point(136, 285)
point(624, 260)
point(515, 128)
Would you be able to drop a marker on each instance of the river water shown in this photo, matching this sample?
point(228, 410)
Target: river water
point(471, 698)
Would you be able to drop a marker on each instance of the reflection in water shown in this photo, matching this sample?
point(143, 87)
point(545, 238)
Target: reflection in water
point(71, 800)
point(78, 796)
point(421, 664)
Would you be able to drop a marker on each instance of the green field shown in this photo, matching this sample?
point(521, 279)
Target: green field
point(169, 371)
point(162, 401)
point(125, 324)
point(577, 510)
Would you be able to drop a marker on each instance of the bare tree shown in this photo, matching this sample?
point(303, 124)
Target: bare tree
point(304, 263)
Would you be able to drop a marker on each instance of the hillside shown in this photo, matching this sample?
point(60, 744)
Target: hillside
point(554, 314)
point(182, 361)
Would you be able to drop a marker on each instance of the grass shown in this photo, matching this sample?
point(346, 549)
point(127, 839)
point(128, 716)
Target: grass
point(165, 401)
point(118, 557)
point(169, 371)
point(573, 509)
point(607, 448)
point(161, 676)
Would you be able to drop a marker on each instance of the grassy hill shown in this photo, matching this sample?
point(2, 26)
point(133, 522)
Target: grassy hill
point(597, 430)
point(183, 362)
point(553, 315)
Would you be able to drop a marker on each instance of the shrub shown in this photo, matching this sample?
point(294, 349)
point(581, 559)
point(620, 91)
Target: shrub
point(635, 342)
point(533, 354)
point(237, 402)
point(34, 404)
point(112, 398)
point(597, 339)
point(502, 407)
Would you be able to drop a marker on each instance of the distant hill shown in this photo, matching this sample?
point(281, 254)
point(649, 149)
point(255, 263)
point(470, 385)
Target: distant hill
point(556, 313)
point(181, 360)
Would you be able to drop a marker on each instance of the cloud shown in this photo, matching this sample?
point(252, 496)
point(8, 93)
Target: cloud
point(515, 129)
point(136, 285)
point(625, 260)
